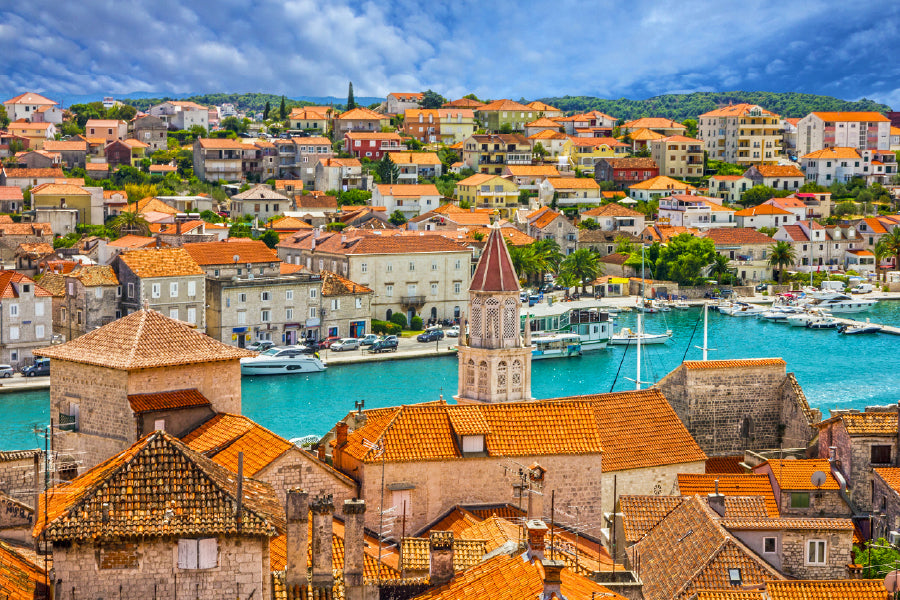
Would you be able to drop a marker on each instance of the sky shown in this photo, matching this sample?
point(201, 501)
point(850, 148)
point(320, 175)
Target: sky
point(494, 48)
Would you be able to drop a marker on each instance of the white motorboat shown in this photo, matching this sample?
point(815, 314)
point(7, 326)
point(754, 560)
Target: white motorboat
point(581, 317)
point(282, 361)
point(742, 309)
point(837, 302)
point(802, 318)
point(860, 328)
point(628, 336)
point(681, 305)
point(823, 323)
point(560, 345)
point(779, 314)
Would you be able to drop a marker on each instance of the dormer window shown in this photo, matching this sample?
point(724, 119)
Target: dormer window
point(472, 444)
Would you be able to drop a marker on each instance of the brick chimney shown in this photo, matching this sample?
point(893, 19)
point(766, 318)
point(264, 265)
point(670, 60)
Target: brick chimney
point(320, 452)
point(717, 501)
point(553, 577)
point(354, 544)
point(536, 531)
point(340, 440)
point(441, 557)
point(297, 513)
point(322, 529)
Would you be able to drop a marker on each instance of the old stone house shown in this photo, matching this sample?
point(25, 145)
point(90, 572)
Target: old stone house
point(734, 405)
point(12, 235)
point(17, 473)
point(346, 307)
point(26, 310)
point(159, 519)
point(886, 500)
point(150, 130)
point(83, 299)
point(261, 202)
point(860, 442)
point(142, 372)
point(806, 488)
point(547, 224)
point(164, 279)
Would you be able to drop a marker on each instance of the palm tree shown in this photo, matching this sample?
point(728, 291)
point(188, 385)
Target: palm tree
point(881, 252)
point(891, 243)
point(523, 261)
point(781, 256)
point(130, 223)
point(547, 256)
point(719, 267)
point(567, 280)
point(583, 265)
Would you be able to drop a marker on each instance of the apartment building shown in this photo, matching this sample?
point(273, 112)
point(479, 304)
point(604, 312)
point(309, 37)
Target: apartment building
point(491, 153)
point(729, 187)
point(495, 115)
point(678, 156)
point(743, 134)
point(218, 159)
point(340, 174)
point(483, 190)
point(296, 158)
point(456, 124)
point(181, 114)
point(315, 119)
point(860, 130)
point(778, 177)
point(415, 165)
point(261, 202)
point(422, 124)
point(372, 144)
point(26, 309)
point(839, 164)
point(411, 199)
point(399, 102)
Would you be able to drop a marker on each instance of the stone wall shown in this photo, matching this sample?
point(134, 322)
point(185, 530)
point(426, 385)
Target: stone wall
point(823, 503)
point(652, 481)
point(861, 476)
point(17, 474)
point(149, 569)
point(299, 469)
point(796, 415)
point(219, 381)
point(16, 520)
point(887, 502)
point(838, 554)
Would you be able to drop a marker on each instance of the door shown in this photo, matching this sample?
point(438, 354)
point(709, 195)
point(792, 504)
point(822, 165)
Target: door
point(240, 340)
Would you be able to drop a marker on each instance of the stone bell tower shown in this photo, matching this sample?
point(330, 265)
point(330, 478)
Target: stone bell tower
point(495, 363)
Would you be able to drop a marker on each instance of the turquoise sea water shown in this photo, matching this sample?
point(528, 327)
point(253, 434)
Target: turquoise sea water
point(835, 371)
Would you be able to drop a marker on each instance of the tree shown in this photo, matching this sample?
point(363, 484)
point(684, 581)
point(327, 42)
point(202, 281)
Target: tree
point(891, 242)
point(847, 207)
point(351, 102)
point(878, 558)
point(769, 231)
point(681, 260)
point(505, 128)
point(539, 151)
point(757, 195)
point(211, 217)
point(471, 97)
point(130, 223)
point(583, 266)
point(623, 245)
point(354, 197)
point(270, 238)
point(781, 256)
point(881, 252)
point(234, 124)
point(387, 171)
point(589, 223)
point(4, 118)
point(266, 111)
point(720, 266)
point(399, 318)
point(282, 110)
point(691, 127)
point(397, 218)
point(432, 99)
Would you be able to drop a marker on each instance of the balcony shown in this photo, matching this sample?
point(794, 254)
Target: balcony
point(412, 300)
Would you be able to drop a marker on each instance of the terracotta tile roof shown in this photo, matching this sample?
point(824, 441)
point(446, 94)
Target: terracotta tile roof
point(223, 253)
point(379, 244)
point(10, 192)
point(51, 173)
point(316, 113)
point(731, 236)
point(92, 166)
point(796, 233)
point(778, 170)
point(494, 271)
point(532, 170)
point(643, 134)
point(749, 484)
point(611, 210)
point(26, 229)
point(20, 126)
point(510, 234)
point(415, 158)
point(747, 363)
point(290, 224)
point(762, 209)
point(340, 162)
point(372, 135)
point(851, 116)
point(727, 177)
point(547, 216)
point(161, 262)
point(133, 241)
point(866, 423)
point(746, 507)
point(596, 141)
point(407, 190)
point(653, 123)
point(463, 103)
point(30, 98)
point(725, 464)
point(157, 487)
point(834, 153)
point(360, 114)
point(845, 589)
point(640, 429)
point(543, 122)
point(494, 531)
point(38, 250)
point(260, 192)
point(10, 282)
point(224, 436)
point(797, 474)
point(508, 105)
point(142, 340)
point(799, 524)
point(548, 134)
point(59, 189)
point(731, 595)
point(54, 283)
point(150, 205)
point(335, 285)
point(163, 168)
point(661, 182)
point(20, 578)
point(172, 228)
point(640, 514)
point(573, 183)
point(416, 554)
point(424, 431)
point(141, 403)
point(219, 144)
point(94, 275)
point(507, 577)
point(61, 146)
point(737, 110)
point(315, 202)
point(466, 219)
point(688, 551)
point(457, 520)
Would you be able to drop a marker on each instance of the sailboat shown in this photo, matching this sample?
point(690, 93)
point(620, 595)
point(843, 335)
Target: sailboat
point(627, 335)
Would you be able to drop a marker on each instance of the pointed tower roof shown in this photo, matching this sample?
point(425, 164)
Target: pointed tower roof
point(495, 272)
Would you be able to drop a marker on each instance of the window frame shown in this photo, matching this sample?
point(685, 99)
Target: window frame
point(820, 544)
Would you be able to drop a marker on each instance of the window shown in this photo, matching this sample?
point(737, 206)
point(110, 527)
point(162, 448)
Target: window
point(173, 289)
point(13, 310)
point(457, 287)
point(265, 316)
point(265, 296)
point(192, 315)
point(173, 313)
point(412, 266)
point(159, 425)
point(215, 272)
point(313, 293)
point(242, 317)
point(131, 290)
point(472, 443)
point(434, 266)
point(363, 268)
point(13, 333)
point(62, 315)
point(118, 291)
point(242, 297)
point(312, 312)
point(192, 289)
point(289, 314)
point(98, 292)
point(359, 303)
point(389, 290)
point(815, 552)
point(400, 499)
point(769, 545)
point(434, 289)
point(457, 264)
point(198, 554)
point(881, 454)
point(155, 290)
point(39, 308)
point(734, 576)
point(335, 304)
point(799, 499)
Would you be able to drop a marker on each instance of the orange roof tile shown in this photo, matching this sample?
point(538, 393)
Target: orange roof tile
point(542, 217)
point(731, 595)
point(133, 241)
point(50, 173)
point(596, 141)
point(510, 234)
point(408, 190)
point(415, 158)
point(866, 423)
point(737, 110)
point(389, 568)
point(611, 210)
point(845, 589)
point(223, 253)
point(795, 524)
point(142, 340)
point(30, 98)
point(749, 484)
point(573, 183)
point(640, 514)
point(219, 144)
point(20, 578)
point(834, 153)
point(725, 464)
point(335, 285)
point(10, 282)
point(161, 262)
point(661, 182)
point(59, 189)
point(507, 105)
point(762, 209)
point(797, 474)
point(748, 363)
point(643, 134)
point(360, 114)
point(849, 116)
point(532, 170)
point(373, 135)
point(778, 170)
point(730, 236)
point(141, 403)
point(653, 123)
point(463, 103)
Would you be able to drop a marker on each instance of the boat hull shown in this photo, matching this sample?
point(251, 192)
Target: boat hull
point(645, 340)
point(281, 367)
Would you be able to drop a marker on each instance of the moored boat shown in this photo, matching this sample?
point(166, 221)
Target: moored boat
point(282, 361)
point(582, 318)
point(629, 336)
point(560, 345)
point(859, 328)
point(837, 302)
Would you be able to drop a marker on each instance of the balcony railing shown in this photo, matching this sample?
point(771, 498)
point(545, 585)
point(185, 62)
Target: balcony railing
point(412, 300)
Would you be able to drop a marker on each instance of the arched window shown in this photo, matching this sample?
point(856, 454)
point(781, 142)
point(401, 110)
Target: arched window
point(389, 314)
point(516, 376)
point(746, 427)
point(510, 318)
point(470, 374)
point(483, 386)
point(501, 377)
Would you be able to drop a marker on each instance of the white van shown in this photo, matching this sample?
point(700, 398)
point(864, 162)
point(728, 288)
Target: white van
point(863, 288)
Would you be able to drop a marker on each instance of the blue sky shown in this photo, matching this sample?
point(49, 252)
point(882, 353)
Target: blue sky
point(496, 49)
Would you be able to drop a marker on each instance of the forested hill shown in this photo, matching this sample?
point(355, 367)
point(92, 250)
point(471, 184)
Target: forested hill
point(688, 106)
point(251, 101)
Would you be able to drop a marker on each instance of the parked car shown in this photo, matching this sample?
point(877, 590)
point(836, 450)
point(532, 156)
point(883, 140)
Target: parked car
point(6, 371)
point(41, 366)
point(762, 287)
point(368, 340)
point(388, 344)
point(430, 336)
point(453, 331)
point(261, 345)
point(327, 342)
point(345, 344)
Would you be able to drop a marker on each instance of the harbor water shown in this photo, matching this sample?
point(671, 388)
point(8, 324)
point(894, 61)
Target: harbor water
point(835, 371)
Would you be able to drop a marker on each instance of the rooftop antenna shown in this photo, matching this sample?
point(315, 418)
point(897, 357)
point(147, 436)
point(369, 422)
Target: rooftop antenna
point(360, 405)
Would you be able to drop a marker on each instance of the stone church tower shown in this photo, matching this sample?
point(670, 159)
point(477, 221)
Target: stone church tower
point(495, 364)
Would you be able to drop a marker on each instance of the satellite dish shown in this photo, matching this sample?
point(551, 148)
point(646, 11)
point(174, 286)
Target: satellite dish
point(892, 581)
point(790, 458)
point(818, 478)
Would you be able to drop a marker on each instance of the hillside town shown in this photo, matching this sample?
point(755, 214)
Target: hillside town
point(156, 259)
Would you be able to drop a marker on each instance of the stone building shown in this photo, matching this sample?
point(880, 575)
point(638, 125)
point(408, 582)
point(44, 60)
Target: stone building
point(346, 307)
point(799, 493)
point(730, 406)
point(17, 472)
point(547, 224)
point(26, 310)
point(164, 279)
point(160, 520)
point(152, 131)
point(142, 372)
point(261, 202)
point(886, 500)
point(84, 299)
point(12, 235)
point(858, 443)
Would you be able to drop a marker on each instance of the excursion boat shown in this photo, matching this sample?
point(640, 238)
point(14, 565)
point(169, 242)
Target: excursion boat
point(836, 302)
point(581, 318)
point(282, 361)
point(559, 345)
point(629, 336)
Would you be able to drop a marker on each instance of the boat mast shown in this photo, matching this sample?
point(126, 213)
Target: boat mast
point(637, 380)
point(705, 330)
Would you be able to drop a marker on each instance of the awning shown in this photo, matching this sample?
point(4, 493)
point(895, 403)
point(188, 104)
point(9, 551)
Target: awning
point(313, 322)
point(239, 330)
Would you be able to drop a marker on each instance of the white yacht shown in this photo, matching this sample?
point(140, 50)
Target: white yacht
point(837, 302)
point(581, 317)
point(803, 319)
point(742, 309)
point(559, 345)
point(629, 336)
point(282, 361)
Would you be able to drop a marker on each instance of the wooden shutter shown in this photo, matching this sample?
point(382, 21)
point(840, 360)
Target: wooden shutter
point(209, 553)
point(187, 554)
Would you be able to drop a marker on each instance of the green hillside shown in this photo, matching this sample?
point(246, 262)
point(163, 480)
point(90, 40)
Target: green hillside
point(253, 102)
point(688, 106)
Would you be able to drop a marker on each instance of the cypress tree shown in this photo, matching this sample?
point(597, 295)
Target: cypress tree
point(266, 111)
point(351, 103)
point(283, 109)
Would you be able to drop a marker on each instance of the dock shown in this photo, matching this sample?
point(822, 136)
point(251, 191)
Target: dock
point(889, 329)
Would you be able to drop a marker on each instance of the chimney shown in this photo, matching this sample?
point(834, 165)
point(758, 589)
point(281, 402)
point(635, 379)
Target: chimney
point(322, 524)
point(717, 501)
point(297, 513)
point(158, 244)
point(552, 577)
point(535, 492)
point(441, 557)
point(354, 544)
point(536, 530)
point(178, 227)
point(320, 452)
